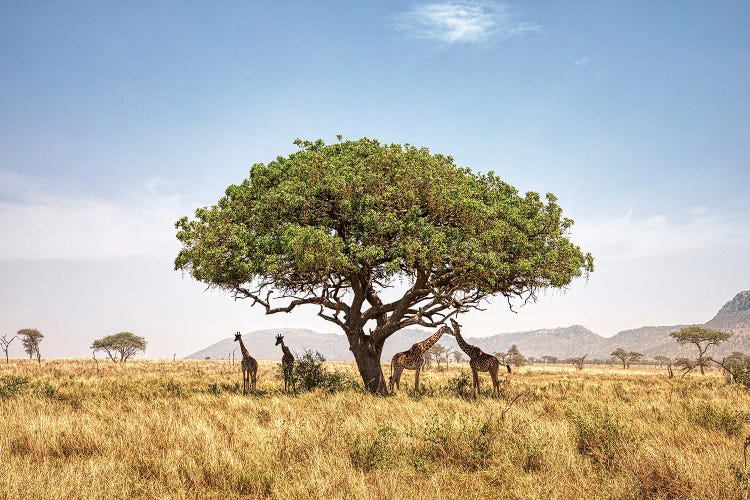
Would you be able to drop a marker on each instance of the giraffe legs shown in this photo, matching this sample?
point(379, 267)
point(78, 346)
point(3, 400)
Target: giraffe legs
point(396, 377)
point(475, 375)
point(253, 377)
point(416, 378)
point(495, 382)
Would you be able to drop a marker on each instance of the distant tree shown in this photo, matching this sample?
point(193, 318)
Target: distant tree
point(502, 356)
point(30, 339)
point(458, 356)
point(550, 359)
point(625, 357)
point(730, 364)
point(438, 354)
point(702, 338)
point(662, 360)
point(577, 362)
point(5, 344)
point(124, 344)
point(688, 364)
point(515, 357)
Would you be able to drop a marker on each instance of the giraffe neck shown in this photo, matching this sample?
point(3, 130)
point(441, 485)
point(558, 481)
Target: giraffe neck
point(469, 349)
point(423, 346)
point(245, 354)
point(285, 349)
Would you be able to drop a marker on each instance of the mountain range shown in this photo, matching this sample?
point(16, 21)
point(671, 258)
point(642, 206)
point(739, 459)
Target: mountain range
point(563, 342)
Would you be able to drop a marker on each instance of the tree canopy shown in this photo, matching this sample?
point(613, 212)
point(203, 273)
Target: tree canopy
point(124, 344)
point(702, 338)
point(30, 339)
point(333, 225)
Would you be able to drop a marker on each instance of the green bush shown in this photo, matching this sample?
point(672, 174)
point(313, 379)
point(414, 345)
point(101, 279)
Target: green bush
point(711, 417)
point(11, 385)
point(460, 386)
point(309, 374)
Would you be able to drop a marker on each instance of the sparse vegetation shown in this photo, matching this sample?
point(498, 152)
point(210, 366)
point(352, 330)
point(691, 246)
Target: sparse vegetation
point(189, 432)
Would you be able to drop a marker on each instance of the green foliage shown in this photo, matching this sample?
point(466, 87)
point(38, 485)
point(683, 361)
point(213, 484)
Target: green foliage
point(329, 209)
point(310, 374)
point(700, 336)
point(741, 372)
point(31, 338)
point(460, 386)
point(126, 344)
point(11, 385)
point(713, 418)
point(376, 450)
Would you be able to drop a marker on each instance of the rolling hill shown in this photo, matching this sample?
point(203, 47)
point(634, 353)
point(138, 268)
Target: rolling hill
point(562, 342)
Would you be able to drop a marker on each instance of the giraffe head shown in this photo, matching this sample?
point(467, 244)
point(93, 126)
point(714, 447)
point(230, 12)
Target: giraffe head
point(237, 336)
point(279, 339)
point(455, 325)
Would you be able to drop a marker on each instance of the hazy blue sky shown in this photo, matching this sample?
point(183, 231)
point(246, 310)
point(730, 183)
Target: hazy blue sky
point(115, 120)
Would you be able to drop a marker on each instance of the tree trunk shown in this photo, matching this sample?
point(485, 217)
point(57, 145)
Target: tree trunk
point(367, 355)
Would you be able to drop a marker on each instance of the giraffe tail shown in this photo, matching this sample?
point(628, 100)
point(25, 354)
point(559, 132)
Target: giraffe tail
point(390, 378)
point(507, 367)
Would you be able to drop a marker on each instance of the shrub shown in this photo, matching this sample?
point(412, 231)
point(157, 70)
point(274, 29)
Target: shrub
point(460, 386)
point(713, 418)
point(598, 435)
point(11, 385)
point(374, 451)
point(310, 374)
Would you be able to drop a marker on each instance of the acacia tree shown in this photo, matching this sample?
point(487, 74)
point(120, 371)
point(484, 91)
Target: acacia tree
point(515, 357)
point(124, 344)
point(333, 226)
point(702, 338)
point(550, 359)
point(662, 360)
point(457, 356)
point(5, 345)
point(30, 339)
point(577, 362)
point(625, 357)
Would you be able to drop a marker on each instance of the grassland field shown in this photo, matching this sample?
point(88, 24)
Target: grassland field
point(164, 429)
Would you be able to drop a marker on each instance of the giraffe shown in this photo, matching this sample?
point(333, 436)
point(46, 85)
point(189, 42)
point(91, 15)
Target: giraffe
point(413, 359)
point(249, 366)
point(480, 361)
point(287, 364)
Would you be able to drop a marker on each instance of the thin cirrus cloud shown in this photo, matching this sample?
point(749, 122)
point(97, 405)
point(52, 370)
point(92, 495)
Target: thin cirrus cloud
point(632, 237)
point(462, 22)
point(37, 223)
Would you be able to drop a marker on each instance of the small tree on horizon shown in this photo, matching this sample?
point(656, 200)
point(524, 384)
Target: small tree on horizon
point(550, 359)
point(702, 338)
point(515, 357)
point(625, 357)
point(458, 356)
point(30, 339)
point(5, 345)
point(124, 344)
point(336, 226)
point(577, 362)
point(662, 360)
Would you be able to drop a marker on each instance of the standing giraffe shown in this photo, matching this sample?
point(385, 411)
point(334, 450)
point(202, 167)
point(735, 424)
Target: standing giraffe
point(413, 359)
point(249, 366)
point(287, 364)
point(480, 361)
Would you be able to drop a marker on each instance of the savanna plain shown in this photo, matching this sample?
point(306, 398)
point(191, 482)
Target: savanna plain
point(183, 429)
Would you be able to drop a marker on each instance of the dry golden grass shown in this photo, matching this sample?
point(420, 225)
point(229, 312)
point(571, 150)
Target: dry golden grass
point(180, 430)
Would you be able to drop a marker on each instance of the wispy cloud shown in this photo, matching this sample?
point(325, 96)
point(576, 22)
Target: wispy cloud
point(632, 237)
point(37, 223)
point(463, 22)
point(582, 61)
